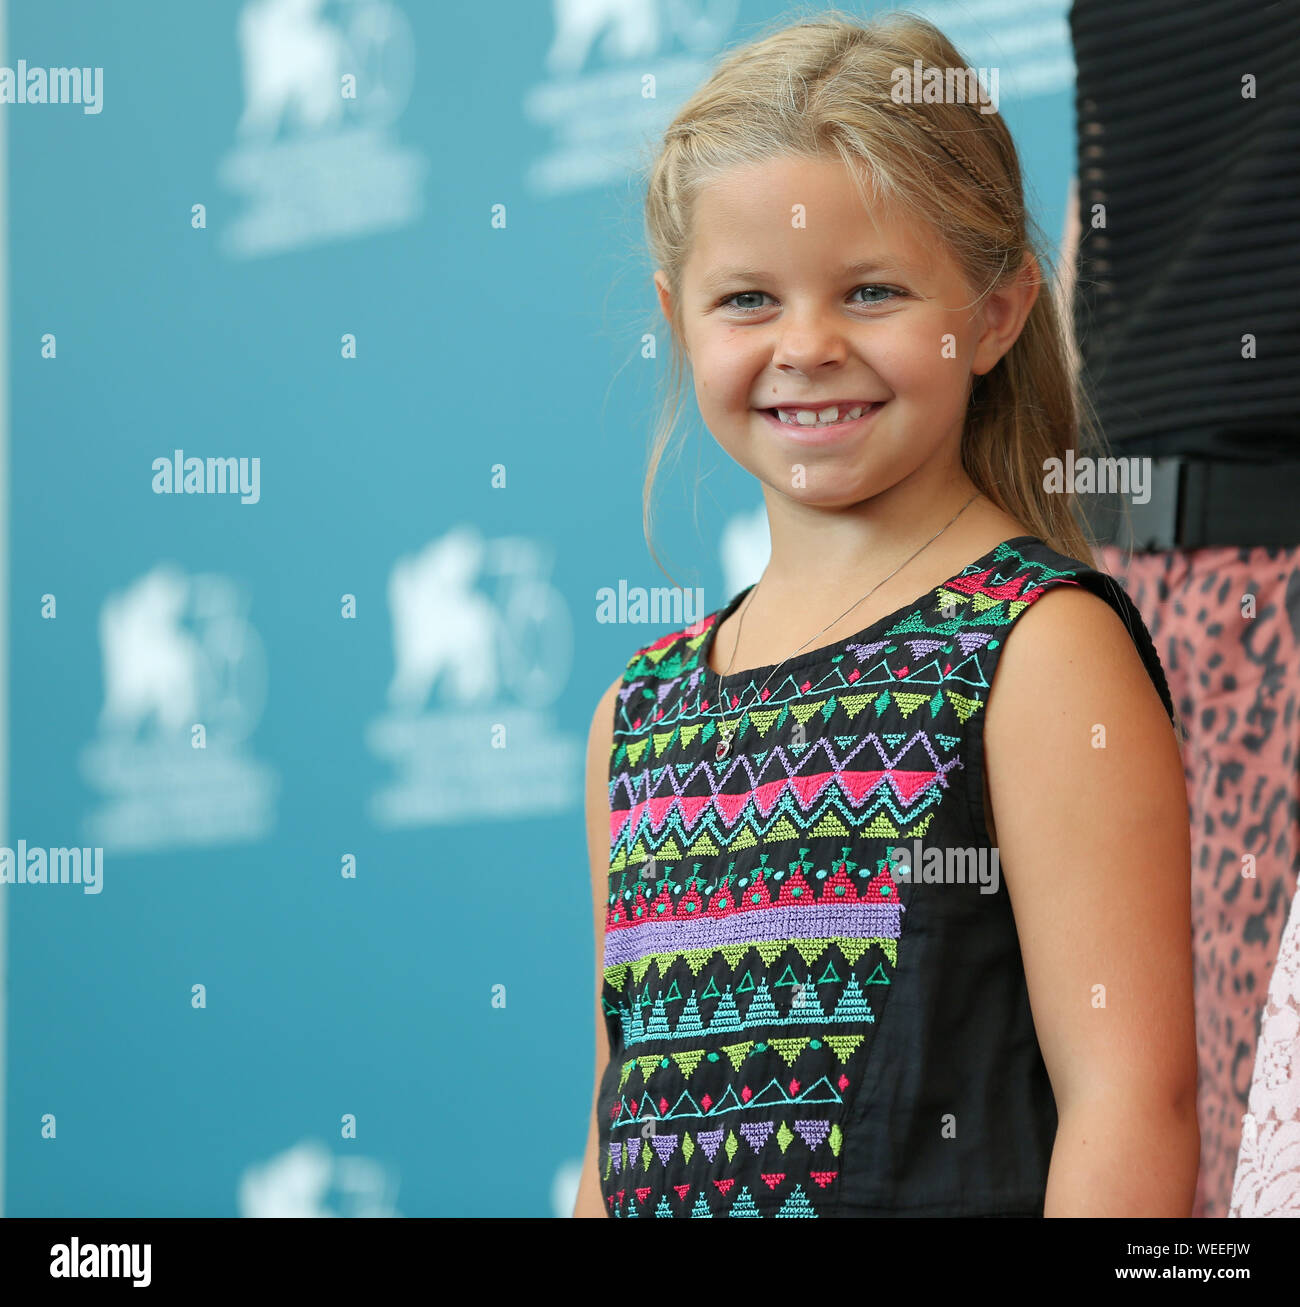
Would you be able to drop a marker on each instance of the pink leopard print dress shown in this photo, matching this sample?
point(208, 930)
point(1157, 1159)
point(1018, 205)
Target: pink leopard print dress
point(1234, 672)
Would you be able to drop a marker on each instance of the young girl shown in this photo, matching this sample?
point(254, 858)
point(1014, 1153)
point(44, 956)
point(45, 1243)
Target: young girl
point(880, 933)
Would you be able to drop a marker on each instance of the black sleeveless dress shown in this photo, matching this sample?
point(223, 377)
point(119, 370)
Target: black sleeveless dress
point(813, 992)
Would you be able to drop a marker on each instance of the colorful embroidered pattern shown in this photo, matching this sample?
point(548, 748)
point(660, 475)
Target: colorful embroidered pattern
point(754, 920)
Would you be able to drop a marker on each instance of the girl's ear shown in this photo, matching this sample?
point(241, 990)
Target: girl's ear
point(665, 297)
point(1004, 313)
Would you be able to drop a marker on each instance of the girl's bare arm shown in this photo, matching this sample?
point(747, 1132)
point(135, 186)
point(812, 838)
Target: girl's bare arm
point(1090, 801)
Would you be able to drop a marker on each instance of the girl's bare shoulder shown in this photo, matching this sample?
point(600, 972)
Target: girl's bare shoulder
point(1070, 658)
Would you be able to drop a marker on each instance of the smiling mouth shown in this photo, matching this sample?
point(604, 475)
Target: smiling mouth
point(835, 415)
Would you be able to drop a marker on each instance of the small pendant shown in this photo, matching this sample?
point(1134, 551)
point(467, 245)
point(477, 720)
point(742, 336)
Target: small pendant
point(724, 748)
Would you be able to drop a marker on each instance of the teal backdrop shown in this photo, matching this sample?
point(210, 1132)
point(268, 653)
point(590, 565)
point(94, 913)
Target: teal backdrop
point(328, 730)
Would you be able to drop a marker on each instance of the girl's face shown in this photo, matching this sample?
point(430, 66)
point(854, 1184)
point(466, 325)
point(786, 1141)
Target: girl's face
point(795, 298)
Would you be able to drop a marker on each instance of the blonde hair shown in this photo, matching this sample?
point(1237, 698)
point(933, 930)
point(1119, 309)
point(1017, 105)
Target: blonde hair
point(820, 89)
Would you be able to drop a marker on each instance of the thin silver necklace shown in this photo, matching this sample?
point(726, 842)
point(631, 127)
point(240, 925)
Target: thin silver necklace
point(727, 733)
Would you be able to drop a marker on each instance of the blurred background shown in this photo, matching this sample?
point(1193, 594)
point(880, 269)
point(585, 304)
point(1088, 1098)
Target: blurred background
point(340, 957)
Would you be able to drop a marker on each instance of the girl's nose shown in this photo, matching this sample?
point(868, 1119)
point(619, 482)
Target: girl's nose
point(807, 341)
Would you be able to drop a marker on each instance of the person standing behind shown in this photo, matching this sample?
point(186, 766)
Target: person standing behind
point(1181, 259)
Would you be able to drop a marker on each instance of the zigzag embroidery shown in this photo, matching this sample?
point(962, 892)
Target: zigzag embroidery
point(803, 765)
point(815, 1133)
point(995, 597)
point(883, 818)
point(634, 1113)
point(796, 1205)
point(799, 798)
point(851, 1008)
point(686, 1062)
point(810, 950)
point(876, 687)
point(745, 910)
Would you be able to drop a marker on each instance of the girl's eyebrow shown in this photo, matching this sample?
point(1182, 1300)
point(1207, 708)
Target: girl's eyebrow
point(870, 267)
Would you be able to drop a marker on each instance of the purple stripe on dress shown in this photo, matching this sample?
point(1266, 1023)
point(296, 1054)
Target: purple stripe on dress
point(757, 926)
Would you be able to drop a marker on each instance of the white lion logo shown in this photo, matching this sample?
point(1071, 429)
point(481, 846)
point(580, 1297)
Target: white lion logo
point(292, 64)
point(631, 29)
point(151, 662)
point(441, 625)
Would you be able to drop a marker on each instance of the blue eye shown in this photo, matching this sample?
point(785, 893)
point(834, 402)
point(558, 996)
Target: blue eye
point(741, 295)
point(887, 292)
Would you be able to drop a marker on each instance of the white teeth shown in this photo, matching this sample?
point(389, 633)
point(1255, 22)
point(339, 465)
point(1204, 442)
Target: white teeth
point(807, 417)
